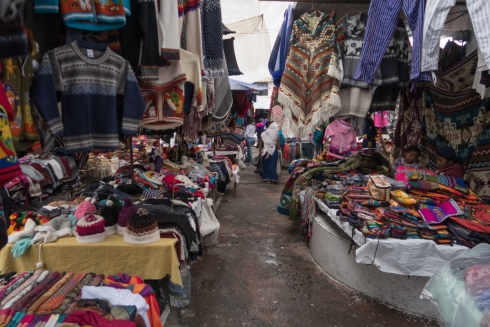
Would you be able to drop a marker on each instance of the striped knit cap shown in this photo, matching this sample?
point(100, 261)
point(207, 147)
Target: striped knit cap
point(142, 228)
point(127, 210)
point(91, 229)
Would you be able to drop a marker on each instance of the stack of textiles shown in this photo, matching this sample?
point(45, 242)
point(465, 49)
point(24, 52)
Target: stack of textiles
point(436, 208)
point(48, 298)
point(333, 197)
point(43, 175)
point(305, 173)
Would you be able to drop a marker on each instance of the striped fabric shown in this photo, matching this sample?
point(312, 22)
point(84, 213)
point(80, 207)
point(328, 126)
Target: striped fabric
point(70, 297)
point(55, 301)
point(9, 300)
point(435, 15)
point(94, 282)
point(47, 295)
point(310, 85)
point(39, 277)
point(382, 19)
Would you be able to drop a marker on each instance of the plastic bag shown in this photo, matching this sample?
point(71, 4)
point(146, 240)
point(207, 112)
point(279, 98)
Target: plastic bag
point(461, 289)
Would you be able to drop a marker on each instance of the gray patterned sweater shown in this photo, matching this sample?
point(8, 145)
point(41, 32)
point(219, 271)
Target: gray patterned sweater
point(90, 81)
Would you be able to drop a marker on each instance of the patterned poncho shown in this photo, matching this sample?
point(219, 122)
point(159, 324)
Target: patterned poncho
point(309, 88)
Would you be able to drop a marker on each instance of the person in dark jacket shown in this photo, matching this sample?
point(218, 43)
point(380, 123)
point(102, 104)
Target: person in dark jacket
point(448, 163)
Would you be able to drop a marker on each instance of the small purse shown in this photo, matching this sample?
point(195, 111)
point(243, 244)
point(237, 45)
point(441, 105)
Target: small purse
point(379, 187)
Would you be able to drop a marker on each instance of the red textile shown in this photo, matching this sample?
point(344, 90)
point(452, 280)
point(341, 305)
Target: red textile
point(92, 318)
point(454, 170)
point(241, 105)
point(475, 227)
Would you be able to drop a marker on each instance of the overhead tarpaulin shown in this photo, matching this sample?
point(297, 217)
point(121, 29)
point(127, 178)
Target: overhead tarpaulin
point(243, 86)
point(252, 48)
point(227, 31)
point(230, 57)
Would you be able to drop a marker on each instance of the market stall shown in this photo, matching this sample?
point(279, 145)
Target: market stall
point(398, 190)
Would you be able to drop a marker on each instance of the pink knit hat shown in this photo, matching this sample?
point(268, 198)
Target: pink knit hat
point(91, 229)
point(127, 210)
point(85, 208)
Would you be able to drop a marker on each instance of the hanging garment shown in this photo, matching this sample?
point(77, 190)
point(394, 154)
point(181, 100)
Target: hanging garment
point(408, 127)
point(279, 54)
point(192, 69)
point(382, 20)
point(241, 105)
point(95, 15)
point(220, 97)
point(453, 119)
point(436, 12)
point(212, 38)
point(381, 119)
point(277, 115)
point(9, 167)
point(17, 77)
point(13, 40)
point(460, 76)
point(164, 109)
point(310, 84)
point(452, 54)
point(139, 39)
point(105, 75)
point(190, 27)
point(343, 138)
point(168, 29)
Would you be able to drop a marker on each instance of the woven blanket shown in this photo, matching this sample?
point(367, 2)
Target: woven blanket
point(310, 85)
point(459, 77)
point(408, 126)
point(212, 38)
point(452, 119)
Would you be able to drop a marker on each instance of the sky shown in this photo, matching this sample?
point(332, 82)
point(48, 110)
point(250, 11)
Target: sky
point(234, 11)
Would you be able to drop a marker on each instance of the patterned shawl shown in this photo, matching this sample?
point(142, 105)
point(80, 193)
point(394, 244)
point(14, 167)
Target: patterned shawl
point(310, 85)
point(212, 38)
point(408, 127)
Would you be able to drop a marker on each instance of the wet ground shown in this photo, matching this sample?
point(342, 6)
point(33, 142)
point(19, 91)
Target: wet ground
point(262, 273)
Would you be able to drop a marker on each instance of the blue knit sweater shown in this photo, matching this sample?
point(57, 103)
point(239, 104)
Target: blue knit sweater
point(89, 79)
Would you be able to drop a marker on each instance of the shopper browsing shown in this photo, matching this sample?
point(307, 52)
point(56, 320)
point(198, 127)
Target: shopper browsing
point(250, 137)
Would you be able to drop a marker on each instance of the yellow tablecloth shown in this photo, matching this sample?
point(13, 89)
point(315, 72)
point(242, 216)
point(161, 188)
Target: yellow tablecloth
point(149, 261)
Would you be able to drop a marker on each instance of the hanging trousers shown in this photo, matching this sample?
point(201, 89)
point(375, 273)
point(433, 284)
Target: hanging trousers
point(382, 19)
point(435, 15)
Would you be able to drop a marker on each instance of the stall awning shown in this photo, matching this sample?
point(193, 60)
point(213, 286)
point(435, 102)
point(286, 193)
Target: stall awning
point(227, 31)
point(229, 47)
point(242, 86)
point(263, 102)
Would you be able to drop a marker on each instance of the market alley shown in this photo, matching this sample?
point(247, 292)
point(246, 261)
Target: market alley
point(262, 273)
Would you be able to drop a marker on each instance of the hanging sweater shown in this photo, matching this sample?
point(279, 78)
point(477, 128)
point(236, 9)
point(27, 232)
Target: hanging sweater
point(139, 39)
point(89, 78)
point(90, 15)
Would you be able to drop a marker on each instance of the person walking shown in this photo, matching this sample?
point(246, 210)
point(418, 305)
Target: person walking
point(268, 149)
point(260, 128)
point(250, 137)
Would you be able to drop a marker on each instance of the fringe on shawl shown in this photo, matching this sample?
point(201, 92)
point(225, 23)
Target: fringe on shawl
point(329, 107)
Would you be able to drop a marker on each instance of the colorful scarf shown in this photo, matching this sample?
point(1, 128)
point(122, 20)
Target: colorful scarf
point(137, 286)
point(308, 211)
point(94, 282)
point(70, 297)
point(54, 302)
point(64, 277)
point(36, 291)
point(212, 38)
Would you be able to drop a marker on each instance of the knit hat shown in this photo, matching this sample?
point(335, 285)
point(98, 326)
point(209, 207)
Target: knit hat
point(91, 229)
point(127, 210)
point(447, 152)
point(13, 39)
point(110, 212)
point(52, 230)
point(142, 228)
point(85, 207)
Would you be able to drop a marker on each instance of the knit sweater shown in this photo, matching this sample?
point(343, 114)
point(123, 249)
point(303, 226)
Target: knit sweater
point(89, 77)
point(91, 15)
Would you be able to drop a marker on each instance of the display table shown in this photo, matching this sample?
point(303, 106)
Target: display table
point(413, 257)
point(148, 261)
